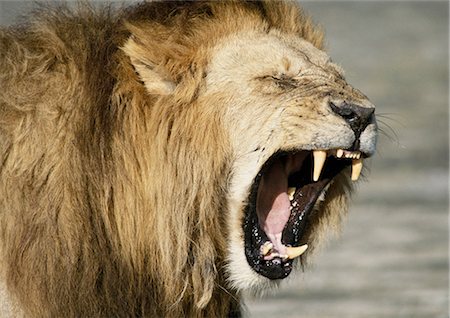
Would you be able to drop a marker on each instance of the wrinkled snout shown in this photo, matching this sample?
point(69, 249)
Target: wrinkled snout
point(357, 117)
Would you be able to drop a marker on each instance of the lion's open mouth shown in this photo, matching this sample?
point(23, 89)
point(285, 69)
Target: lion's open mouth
point(281, 201)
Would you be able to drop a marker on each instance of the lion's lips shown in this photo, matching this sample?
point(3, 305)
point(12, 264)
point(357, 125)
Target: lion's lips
point(283, 195)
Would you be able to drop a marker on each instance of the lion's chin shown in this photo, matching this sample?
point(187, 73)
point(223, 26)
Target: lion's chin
point(281, 203)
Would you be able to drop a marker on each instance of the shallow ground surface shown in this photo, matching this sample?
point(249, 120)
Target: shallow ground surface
point(392, 259)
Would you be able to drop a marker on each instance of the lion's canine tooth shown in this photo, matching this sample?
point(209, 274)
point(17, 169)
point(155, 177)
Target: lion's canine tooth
point(291, 192)
point(293, 252)
point(319, 160)
point(339, 153)
point(357, 165)
point(266, 248)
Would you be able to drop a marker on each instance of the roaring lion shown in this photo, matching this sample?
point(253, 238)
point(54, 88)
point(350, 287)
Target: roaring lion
point(158, 160)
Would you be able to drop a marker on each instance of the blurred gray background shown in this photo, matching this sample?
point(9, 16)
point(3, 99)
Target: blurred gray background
point(392, 258)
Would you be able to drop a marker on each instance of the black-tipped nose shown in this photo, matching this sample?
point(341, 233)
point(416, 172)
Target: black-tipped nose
point(357, 117)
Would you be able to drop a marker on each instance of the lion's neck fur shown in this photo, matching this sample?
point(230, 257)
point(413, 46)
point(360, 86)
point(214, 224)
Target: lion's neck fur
point(176, 190)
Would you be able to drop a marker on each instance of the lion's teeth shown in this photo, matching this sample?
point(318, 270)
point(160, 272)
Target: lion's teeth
point(266, 248)
point(347, 154)
point(319, 160)
point(357, 165)
point(293, 252)
point(291, 192)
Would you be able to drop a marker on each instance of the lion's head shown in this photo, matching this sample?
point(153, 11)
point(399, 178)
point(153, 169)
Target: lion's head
point(295, 126)
point(288, 127)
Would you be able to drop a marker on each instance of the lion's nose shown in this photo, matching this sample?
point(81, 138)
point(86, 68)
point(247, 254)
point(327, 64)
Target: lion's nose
point(357, 117)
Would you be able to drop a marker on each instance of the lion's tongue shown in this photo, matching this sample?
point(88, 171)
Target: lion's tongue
point(273, 205)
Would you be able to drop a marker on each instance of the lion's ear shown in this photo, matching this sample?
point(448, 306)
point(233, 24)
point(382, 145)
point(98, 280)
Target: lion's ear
point(155, 79)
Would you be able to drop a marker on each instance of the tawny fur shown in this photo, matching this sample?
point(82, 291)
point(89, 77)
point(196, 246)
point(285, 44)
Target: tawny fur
point(113, 200)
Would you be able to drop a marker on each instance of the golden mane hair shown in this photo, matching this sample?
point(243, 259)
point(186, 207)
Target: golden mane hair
point(113, 200)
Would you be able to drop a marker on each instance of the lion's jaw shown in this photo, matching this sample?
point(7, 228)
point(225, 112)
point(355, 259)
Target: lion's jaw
point(282, 88)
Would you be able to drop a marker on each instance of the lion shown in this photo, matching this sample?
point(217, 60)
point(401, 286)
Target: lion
point(159, 160)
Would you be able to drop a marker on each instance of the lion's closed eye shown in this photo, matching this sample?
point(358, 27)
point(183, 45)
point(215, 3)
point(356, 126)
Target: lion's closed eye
point(278, 83)
point(285, 82)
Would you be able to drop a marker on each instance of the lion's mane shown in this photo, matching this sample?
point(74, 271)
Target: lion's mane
point(112, 200)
